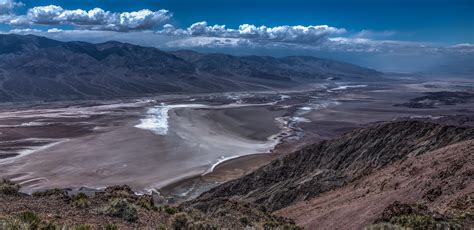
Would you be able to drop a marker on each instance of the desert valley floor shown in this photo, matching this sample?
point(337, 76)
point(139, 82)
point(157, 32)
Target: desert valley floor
point(181, 145)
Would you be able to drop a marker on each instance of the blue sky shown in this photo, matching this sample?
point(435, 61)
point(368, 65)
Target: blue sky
point(444, 21)
point(340, 29)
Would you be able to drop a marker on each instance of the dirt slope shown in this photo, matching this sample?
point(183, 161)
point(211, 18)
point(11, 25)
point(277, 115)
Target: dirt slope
point(441, 179)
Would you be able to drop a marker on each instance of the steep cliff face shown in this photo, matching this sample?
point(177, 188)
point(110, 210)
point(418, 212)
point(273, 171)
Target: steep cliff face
point(331, 164)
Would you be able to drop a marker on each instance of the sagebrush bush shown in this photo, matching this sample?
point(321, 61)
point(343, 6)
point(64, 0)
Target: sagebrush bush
point(50, 192)
point(8, 187)
point(111, 227)
point(121, 208)
point(145, 203)
point(170, 210)
point(180, 221)
point(25, 221)
point(29, 217)
point(80, 200)
point(81, 227)
point(423, 222)
point(384, 226)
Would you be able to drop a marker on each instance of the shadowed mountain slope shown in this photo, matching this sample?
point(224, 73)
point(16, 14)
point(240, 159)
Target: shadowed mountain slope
point(331, 164)
point(437, 186)
point(38, 68)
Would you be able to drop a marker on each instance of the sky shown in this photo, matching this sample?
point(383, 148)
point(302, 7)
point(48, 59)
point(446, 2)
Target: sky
point(389, 35)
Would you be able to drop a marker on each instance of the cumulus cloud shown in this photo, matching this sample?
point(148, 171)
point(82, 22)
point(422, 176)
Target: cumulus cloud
point(295, 34)
point(6, 6)
point(94, 19)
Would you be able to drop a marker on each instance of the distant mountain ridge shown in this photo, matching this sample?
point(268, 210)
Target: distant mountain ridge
point(38, 68)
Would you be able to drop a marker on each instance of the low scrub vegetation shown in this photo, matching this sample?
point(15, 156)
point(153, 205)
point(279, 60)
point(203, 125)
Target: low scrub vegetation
point(121, 208)
point(50, 192)
point(26, 220)
point(170, 210)
point(8, 187)
point(80, 201)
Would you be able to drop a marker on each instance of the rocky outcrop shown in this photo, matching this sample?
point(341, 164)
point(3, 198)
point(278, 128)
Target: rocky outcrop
point(118, 207)
point(331, 164)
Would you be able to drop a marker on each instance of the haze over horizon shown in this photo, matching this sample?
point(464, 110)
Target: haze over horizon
point(437, 36)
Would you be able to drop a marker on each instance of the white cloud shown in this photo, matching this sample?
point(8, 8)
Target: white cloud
point(95, 19)
point(292, 34)
point(462, 48)
point(26, 31)
point(6, 6)
point(206, 42)
point(375, 34)
point(55, 30)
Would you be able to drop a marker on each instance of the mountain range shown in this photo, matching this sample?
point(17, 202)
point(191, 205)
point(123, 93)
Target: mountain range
point(38, 68)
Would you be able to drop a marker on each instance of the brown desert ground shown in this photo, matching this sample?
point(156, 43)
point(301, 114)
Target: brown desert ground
point(441, 179)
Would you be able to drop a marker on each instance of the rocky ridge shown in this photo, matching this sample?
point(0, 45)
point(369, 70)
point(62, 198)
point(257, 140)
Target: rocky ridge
point(331, 164)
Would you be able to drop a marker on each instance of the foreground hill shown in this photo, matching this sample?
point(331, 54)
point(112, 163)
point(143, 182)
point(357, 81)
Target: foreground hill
point(354, 177)
point(437, 184)
point(406, 173)
point(38, 68)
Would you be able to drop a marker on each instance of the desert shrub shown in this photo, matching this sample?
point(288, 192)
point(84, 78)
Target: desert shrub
point(414, 221)
point(278, 225)
point(47, 226)
point(200, 225)
point(119, 191)
point(146, 202)
point(170, 210)
point(270, 225)
point(25, 221)
point(291, 227)
point(111, 227)
point(80, 200)
point(121, 208)
point(8, 187)
point(50, 192)
point(244, 220)
point(13, 224)
point(81, 227)
point(180, 221)
point(30, 218)
point(384, 226)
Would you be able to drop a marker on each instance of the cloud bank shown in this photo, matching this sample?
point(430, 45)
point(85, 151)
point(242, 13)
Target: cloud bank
point(94, 19)
point(297, 34)
point(6, 6)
